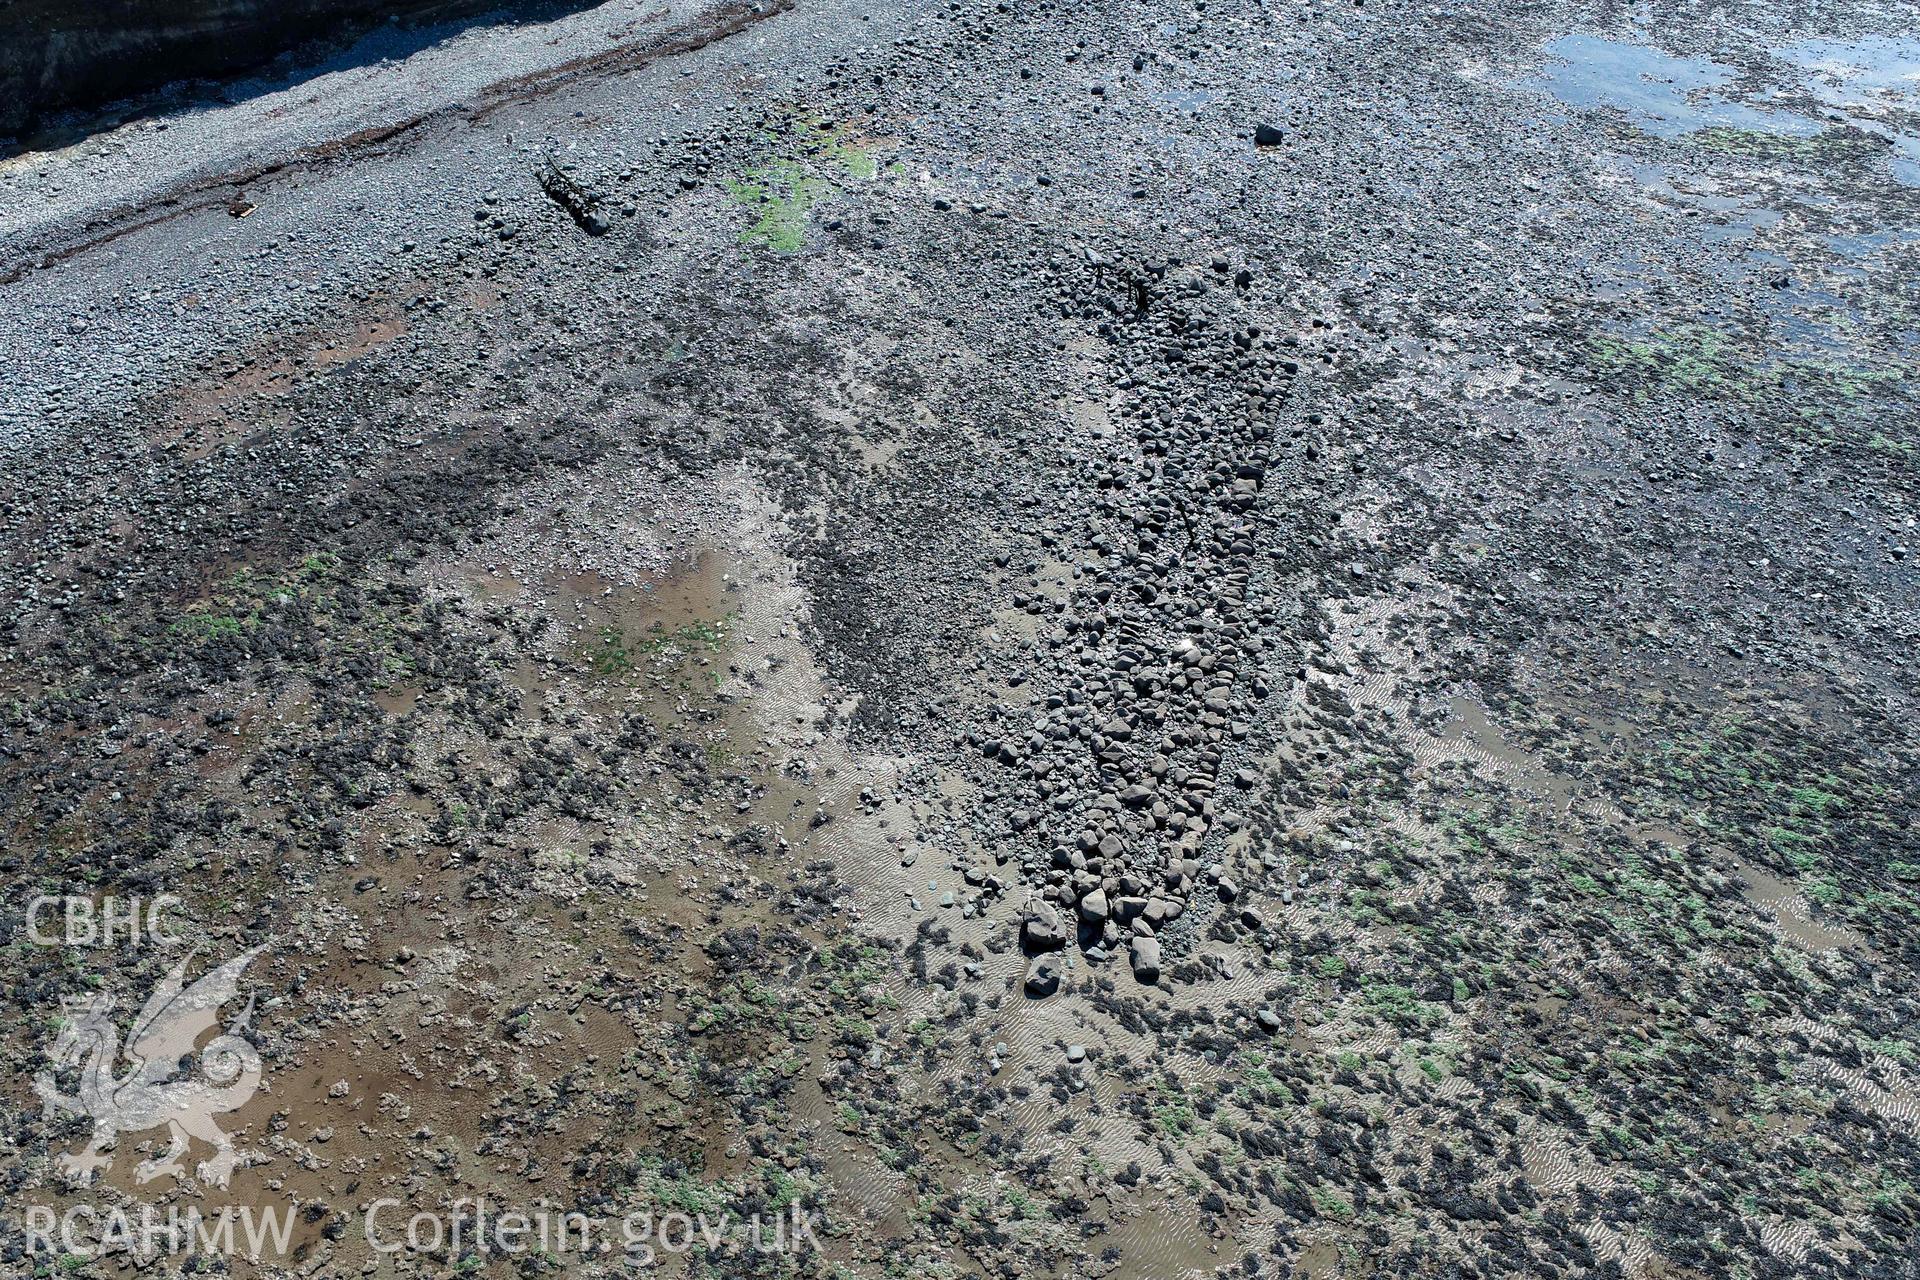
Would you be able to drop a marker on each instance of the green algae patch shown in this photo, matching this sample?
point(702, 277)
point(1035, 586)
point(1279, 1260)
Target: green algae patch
point(1788, 802)
point(1691, 358)
point(1700, 362)
point(1827, 147)
point(1750, 142)
point(812, 161)
point(783, 193)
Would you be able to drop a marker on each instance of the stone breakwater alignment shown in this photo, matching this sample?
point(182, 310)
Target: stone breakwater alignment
point(67, 55)
point(1149, 679)
point(1102, 639)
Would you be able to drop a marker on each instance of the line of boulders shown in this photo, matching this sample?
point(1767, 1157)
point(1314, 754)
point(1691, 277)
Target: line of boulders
point(1150, 669)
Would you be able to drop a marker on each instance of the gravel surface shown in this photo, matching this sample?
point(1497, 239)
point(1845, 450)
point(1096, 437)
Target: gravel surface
point(1134, 640)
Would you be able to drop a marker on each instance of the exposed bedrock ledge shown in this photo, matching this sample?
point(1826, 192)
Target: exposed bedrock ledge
point(62, 55)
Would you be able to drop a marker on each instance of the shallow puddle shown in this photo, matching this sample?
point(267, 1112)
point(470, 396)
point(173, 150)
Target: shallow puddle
point(1659, 93)
point(1468, 725)
point(1875, 82)
point(1856, 69)
point(1787, 907)
point(1872, 85)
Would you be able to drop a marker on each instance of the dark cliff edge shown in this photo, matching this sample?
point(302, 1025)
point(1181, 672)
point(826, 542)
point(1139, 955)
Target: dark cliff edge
point(75, 55)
